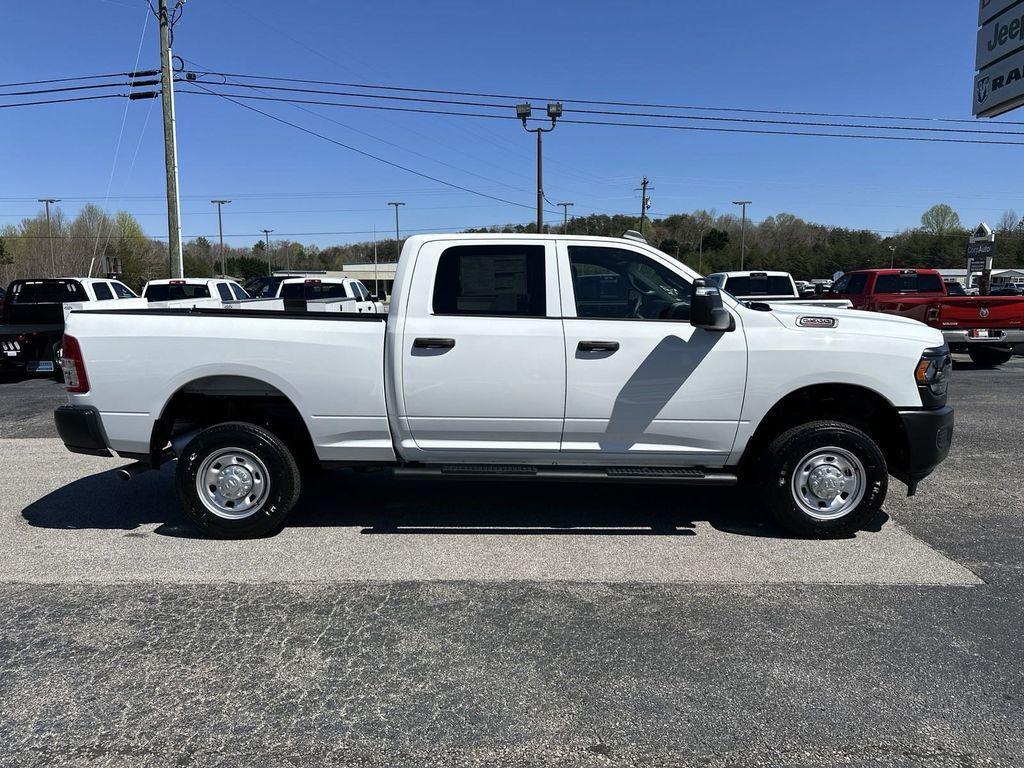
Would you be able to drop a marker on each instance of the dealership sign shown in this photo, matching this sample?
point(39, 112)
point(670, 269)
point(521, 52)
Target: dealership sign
point(999, 83)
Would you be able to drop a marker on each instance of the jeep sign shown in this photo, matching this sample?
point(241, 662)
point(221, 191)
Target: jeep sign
point(1002, 36)
point(999, 83)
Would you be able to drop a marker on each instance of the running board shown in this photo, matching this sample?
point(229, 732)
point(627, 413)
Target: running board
point(678, 475)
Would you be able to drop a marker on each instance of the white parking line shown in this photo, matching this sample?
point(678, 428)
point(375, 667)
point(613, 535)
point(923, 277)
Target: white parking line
point(66, 519)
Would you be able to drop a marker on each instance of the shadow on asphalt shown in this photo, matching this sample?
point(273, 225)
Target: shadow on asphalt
point(380, 504)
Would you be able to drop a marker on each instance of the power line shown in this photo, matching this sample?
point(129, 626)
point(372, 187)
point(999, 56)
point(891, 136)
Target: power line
point(37, 91)
point(600, 102)
point(64, 101)
point(608, 123)
point(72, 79)
point(618, 113)
point(356, 150)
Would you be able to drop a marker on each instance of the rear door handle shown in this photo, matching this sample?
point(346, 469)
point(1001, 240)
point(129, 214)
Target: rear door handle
point(434, 343)
point(598, 346)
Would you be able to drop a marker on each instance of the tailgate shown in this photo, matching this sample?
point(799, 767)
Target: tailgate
point(978, 312)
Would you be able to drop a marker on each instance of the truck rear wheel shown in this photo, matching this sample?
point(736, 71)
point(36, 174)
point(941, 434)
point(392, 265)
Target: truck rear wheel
point(988, 357)
point(824, 479)
point(237, 481)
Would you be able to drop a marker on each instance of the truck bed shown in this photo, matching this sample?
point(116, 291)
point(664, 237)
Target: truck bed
point(330, 365)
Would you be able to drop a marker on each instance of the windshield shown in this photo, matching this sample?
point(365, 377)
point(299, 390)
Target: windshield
point(175, 292)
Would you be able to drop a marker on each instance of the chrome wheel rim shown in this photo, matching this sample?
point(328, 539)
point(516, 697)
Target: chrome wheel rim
point(232, 483)
point(828, 483)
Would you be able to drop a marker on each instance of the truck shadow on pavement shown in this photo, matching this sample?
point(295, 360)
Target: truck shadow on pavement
point(380, 504)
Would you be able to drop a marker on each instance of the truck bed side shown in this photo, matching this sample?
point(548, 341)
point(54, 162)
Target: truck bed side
point(329, 365)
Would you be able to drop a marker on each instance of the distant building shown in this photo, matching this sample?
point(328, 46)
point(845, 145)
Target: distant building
point(999, 277)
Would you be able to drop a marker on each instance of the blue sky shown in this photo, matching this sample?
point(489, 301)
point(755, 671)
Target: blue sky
point(913, 57)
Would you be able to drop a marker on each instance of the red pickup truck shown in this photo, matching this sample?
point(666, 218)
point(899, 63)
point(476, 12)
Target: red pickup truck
point(989, 328)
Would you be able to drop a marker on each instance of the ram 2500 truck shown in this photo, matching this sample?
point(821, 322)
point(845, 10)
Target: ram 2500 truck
point(518, 357)
point(988, 328)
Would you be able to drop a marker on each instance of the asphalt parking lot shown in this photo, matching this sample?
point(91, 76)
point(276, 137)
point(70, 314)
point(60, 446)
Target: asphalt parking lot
point(414, 623)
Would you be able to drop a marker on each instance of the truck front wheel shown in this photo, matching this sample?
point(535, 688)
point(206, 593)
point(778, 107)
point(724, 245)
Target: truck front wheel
point(825, 479)
point(237, 481)
point(988, 357)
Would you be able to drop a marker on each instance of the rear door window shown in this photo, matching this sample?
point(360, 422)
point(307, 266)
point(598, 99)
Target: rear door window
point(102, 291)
point(502, 280)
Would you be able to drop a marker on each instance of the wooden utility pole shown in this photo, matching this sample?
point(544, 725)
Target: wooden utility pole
point(645, 201)
point(220, 229)
point(49, 232)
point(170, 140)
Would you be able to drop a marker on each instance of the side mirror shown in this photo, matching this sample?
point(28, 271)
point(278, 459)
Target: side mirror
point(706, 310)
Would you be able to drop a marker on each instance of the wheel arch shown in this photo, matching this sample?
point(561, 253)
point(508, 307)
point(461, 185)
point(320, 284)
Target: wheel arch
point(218, 398)
point(853, 404)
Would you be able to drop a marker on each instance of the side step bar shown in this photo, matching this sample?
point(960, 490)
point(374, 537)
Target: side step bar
point(678, 475)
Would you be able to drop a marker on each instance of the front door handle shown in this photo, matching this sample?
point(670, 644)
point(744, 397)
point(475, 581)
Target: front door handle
point(434, 343)
point(598, 346)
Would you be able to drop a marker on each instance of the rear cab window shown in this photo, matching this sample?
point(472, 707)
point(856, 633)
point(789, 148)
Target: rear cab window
point(908, 282)
point(759, 284)
point(176, 291)
point(47, 292)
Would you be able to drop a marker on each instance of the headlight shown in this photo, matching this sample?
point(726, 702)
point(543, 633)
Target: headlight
point(933, 373)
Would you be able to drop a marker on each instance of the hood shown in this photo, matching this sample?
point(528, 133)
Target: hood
point(858, 321)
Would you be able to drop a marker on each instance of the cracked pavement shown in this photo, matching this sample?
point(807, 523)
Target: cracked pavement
point(539, 626)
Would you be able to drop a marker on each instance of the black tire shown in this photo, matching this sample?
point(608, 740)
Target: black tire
point(785, 458)
point(989, 357)
point(275, 499)
point(55, 355)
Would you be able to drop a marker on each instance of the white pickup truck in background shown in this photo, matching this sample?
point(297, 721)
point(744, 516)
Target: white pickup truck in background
point(327, 294)
point(769, 287)
point(518, 357)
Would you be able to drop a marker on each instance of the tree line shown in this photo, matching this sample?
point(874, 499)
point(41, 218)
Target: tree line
point(94, 242)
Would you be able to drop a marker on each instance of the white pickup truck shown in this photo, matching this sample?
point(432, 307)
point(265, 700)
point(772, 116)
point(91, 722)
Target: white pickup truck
point(769, 287)
point(517, 357)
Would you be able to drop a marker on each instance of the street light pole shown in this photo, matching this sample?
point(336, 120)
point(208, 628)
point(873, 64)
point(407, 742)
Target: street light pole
point(266, 234)
point(220, 228)
point(700, 253)
point(49, 232)
point(743, 230)
point(523, 112)
point(892, 256)
point(565, 216)
point(398, 239)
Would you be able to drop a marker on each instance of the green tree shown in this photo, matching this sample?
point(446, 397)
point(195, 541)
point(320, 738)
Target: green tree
point(940, 219)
